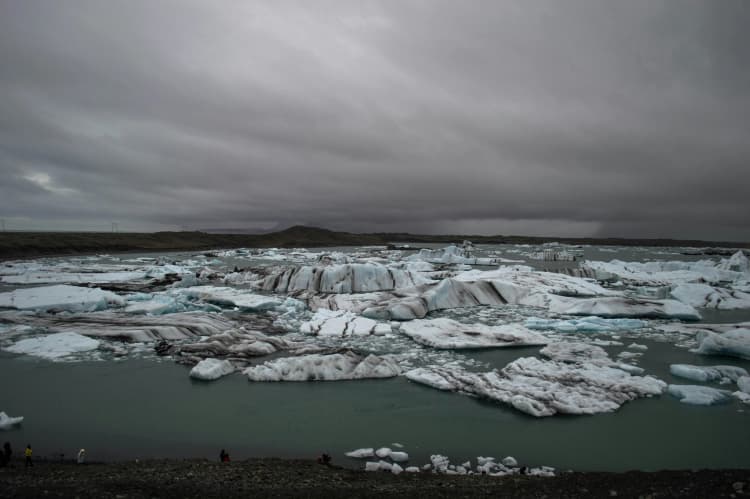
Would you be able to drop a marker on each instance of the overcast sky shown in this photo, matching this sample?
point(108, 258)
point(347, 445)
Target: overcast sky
point(609, 118)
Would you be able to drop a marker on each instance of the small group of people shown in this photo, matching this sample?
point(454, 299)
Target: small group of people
point(7, 452)
point(224, 456)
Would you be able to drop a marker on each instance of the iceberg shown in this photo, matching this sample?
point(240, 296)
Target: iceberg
point(211, 369)
point(699, 395)
point(544, 388)
point(237, 344)
point(591, 324)
point(8, 422)
point(723, 374)
point(449, 334)
point(330, 367)
point(341, 323)
point(620, 306)
point(661, 273)
point(233, 297)
point(743, 383)
point(54, 346)
point(705, 296)
point(733, 343)
point(60, 297)
point(361, 453)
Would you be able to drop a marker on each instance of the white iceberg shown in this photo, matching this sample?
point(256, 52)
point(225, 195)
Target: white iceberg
point(233, 297)
point(705, 296)
point(658, 273)
point(383, 452)
point(699, 395)
point(399, 456)
point(620, 306)
point(733, 343)
point(361, 453)
point(54, 346)
point(341, 323)
point(211, 369)
point(723, 374)
point(544, 388)
point(7, 422)
point(743, 383)
point(319, 367)
point(591, 324)
point(446, 333)
point(60, 297)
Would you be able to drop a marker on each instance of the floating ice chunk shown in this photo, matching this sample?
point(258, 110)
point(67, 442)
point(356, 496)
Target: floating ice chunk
point(585, 324)
point(738, 262)
point(661, 272)
point(742, 397)
point(743, 383)
point(7, 422)
point(236, 343)
point(637, 346)
point(385, 466)
point(340, 323)
point(54, 346)
point(447, 333)
point(233, 297)
point(439, 462)
point(707, 373)
point(411, 469)
point(573, 351)
point(372, 466)
point(545, 388)
point(618, 306)
point(211, 369)
point(60, 297)
point(383, 452)
point(699, 395)
point(510, 461)
point(361, 453)
point(396, 469)
point(481, 461)
point(399, 456)
point(734, 343)
point(324, 368)
point(705, 296)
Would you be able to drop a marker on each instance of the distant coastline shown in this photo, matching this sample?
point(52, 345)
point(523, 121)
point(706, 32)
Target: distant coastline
point(37, 244)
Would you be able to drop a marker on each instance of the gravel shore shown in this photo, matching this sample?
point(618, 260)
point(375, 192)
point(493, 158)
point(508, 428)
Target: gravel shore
point(297, 478)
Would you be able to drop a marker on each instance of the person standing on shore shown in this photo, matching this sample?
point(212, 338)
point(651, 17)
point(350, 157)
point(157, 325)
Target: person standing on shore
point(28, 454)
point(81, 459)
point(5, 457)
point(224, 456)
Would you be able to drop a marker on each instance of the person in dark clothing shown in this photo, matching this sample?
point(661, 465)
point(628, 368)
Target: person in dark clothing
point(5, 456)
point(224, 456)
point(324, 458)
point(28, 452)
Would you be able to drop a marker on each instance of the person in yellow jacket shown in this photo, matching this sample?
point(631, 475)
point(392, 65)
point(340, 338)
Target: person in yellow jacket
point(28, 454)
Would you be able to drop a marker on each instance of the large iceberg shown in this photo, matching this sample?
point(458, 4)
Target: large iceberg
point(447, 333)
point(60, 297)
point(705, 296)
point(733, 343)
point(333, 367)
point(7, 422)
point(544, 388)
point(667, 273)
point(54, 346)
point(699, 395)
point(346, 278)
point(722, 374)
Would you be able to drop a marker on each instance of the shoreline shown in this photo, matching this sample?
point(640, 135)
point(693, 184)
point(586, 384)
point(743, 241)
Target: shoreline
point(306, 478)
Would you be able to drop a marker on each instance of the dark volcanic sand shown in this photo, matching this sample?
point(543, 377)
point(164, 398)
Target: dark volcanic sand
point(294, 478)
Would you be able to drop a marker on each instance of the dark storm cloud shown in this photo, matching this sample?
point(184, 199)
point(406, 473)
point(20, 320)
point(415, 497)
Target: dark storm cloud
point(574, 118)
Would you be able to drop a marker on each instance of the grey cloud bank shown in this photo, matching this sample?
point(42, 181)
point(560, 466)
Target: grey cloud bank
point(541, 117)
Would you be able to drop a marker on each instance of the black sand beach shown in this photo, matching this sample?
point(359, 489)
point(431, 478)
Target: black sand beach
point(297, 478)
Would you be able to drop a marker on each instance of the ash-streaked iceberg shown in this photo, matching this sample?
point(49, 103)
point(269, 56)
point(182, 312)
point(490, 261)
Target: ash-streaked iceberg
point(54, 346)
point(544, 388)
point(236, 344)
point(339, 323)
point(449, 334)
point(332, 367)
point(60, 297)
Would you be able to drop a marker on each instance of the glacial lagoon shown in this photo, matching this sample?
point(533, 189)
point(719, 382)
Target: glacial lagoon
point(120, 400)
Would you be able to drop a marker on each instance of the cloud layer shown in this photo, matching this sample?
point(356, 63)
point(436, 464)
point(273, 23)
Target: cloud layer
point(541, 117)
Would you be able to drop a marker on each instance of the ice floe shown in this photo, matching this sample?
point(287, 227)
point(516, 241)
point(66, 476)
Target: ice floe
point(8, 422)
point(233, 297)
point(544, 388)
point(211, 369)
point(590, 324)
point(54, 346)
point(60, 297)
point(330, 367)
point(447, 333)
point(733, 343)
point(705, 296)
point(235, 344)
point(361, 453)
point(721, 374)
point(699, 395)
point(341, 323)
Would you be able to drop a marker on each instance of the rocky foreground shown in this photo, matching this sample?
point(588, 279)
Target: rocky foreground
point(297, 478)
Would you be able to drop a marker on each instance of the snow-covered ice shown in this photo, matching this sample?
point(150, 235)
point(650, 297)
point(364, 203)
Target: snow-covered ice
point(318, 367)
point(60, 297)
point(733, 343)
point(342, 323)
point(211, 369)
point(447, 333)
point(54, 346)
